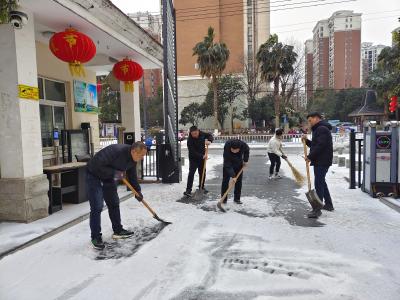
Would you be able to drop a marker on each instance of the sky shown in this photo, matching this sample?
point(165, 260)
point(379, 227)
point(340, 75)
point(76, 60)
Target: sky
point(378, 20)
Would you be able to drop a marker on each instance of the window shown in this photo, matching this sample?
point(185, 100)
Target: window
point(52, 108)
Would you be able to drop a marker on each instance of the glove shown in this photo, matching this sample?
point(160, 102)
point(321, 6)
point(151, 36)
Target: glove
point(139, 196)
point(284, 156)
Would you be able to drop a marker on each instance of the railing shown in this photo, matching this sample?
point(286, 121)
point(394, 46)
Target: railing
point(264, 139)
point(104, 142)
point(150, 164)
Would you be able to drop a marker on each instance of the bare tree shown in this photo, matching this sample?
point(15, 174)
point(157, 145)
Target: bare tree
point(251, 81)
point(293, 84)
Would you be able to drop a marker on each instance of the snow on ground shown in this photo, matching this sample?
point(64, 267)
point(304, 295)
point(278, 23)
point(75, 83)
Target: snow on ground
point(13, 234)
point(248, 253)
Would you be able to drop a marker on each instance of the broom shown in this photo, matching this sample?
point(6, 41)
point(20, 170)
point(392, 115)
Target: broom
point(296, 174)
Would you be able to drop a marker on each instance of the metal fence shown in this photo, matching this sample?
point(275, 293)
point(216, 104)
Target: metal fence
point(104, 142)
point(264, 139)
point(150, 164)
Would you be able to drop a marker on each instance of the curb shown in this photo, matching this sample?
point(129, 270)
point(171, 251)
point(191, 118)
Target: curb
point(55, 231)
point(392, 203)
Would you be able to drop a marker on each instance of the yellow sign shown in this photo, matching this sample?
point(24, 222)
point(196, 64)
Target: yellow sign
point(28, 92)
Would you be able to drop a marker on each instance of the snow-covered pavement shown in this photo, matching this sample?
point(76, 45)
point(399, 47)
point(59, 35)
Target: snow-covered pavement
point(261, 250)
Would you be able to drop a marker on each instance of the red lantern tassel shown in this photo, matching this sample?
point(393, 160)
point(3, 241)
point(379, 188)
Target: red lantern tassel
point(76, 69)
point(128, 86)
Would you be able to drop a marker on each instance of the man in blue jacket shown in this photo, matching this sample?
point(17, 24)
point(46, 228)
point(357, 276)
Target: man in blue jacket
point(320, 156)
point(236, 156)
point(100, 184)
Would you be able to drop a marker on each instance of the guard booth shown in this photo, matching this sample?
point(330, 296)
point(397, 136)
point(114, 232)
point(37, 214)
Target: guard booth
point(380, 163)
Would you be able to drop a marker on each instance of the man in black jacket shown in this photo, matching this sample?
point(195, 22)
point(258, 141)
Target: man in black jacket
point(100, 184)
point(236, 156)
point(196, 144)
point(320, 156)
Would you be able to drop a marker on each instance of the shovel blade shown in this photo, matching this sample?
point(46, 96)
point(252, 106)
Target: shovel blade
point(198, 195)
point(161, 220)
point(219, 205)
point(314, 200)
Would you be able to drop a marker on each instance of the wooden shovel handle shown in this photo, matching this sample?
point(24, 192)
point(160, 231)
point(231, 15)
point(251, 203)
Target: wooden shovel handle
point(126, 182)
point(203, 173)
point(307, 166)
point(231, 185)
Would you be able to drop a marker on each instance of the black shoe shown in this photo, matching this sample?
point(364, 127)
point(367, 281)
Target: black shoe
point(237, 201)
point(98, 244)
point(205, 191)
point(123, 234)
point(328, 207)
point(187, 194)
point(314, 214)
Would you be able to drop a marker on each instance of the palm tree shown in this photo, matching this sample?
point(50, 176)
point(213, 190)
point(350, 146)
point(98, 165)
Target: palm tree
point(276, 60)
point(211, 59)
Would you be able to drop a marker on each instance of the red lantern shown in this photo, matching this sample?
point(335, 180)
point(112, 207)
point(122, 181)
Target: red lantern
point(74, 48)
point(128, 71)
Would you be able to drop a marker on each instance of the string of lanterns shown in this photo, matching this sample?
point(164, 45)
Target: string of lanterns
point(76, 48)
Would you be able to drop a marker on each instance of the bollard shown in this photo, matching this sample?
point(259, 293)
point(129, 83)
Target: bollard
point(352, 159)
point(342, 161)
point(347, 164)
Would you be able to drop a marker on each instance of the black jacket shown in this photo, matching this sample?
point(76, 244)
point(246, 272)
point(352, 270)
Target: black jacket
point(197, 146)
point(234, 161)
point(321, 148)
point(114, 158)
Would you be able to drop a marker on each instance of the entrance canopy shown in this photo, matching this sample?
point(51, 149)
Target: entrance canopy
point(116, 36)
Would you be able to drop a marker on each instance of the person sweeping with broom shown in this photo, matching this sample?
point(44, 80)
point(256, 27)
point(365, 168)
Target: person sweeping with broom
point(275, 153)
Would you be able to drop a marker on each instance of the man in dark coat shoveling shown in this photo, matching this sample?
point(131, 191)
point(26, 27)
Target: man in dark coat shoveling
point(236, 156)
point(100, 186)
point(320, 156)
point(196, 144)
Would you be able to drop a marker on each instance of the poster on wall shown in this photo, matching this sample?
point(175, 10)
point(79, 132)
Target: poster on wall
point(85, 95)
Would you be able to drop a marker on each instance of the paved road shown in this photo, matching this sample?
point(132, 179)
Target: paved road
point(280, 194)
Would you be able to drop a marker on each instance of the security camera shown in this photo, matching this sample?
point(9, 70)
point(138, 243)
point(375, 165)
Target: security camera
point(18, 19)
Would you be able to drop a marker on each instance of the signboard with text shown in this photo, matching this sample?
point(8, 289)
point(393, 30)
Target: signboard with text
point(28, 92)
point(85, 97)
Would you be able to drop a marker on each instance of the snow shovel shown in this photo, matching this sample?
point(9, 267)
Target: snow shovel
point(144, 202)
point(231, 185)
point(198, 195)
point(311, 195)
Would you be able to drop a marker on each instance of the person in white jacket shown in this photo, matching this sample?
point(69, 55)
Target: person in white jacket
point(275, 153)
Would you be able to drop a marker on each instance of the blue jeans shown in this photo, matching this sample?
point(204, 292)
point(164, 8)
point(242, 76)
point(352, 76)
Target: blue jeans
point(98, 190)
point(320, 184)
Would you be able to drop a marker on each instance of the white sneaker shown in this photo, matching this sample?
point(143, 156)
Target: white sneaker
point(277, 176)
point(271, 177)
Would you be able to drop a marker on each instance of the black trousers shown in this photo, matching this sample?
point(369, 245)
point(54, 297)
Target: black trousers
point(275, 163)
point(98, 192)
point(238, 185)
point(195, 165)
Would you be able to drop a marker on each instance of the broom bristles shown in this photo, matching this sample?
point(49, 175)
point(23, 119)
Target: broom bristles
point(300, 179)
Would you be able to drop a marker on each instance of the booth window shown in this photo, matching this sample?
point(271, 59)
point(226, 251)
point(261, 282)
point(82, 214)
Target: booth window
point(52, 108)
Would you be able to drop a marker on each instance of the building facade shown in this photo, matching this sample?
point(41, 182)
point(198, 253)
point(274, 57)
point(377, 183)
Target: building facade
point(242, 25)
point(28, 120)
point(369, 59)
point(321, 55)
point(337, 51)
point(152, 79)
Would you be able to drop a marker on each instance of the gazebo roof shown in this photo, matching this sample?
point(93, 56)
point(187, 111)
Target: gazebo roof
point(370, 108)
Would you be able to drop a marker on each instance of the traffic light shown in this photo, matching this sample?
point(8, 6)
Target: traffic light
point(393, 104)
